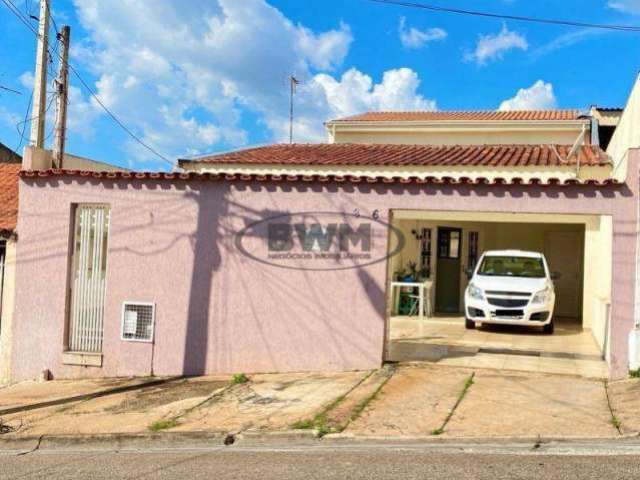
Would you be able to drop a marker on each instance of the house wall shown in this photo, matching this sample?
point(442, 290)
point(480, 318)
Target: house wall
point(7, 297)
point(476, 135)
point(172, 243)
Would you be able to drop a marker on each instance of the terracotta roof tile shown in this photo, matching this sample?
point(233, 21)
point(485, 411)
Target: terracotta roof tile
point(233, 177)
point(9, 195)
point(350, 154)
point(474, 115)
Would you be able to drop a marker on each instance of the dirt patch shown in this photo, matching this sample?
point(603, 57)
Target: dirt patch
point(160, 395)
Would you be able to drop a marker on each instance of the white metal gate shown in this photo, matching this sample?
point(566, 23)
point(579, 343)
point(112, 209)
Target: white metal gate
point(88, 278)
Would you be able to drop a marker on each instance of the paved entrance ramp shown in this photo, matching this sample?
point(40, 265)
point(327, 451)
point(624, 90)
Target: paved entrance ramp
point(529, 405)
point(445, 341)
point(428, 400)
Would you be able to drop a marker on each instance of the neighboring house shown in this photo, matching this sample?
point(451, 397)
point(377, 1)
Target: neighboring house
point(8, 219)
point(232, 266)
point(8, 156)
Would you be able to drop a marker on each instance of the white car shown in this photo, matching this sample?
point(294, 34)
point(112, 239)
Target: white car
point(510, 287)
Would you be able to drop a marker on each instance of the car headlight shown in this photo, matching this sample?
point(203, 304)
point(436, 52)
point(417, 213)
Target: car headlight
point(475, 292)
point(543, 296)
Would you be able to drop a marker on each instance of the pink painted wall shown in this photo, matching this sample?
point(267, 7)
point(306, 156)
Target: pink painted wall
point(217, 311)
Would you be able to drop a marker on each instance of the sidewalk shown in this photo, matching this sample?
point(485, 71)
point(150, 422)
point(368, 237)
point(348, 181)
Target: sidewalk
point(406, 401)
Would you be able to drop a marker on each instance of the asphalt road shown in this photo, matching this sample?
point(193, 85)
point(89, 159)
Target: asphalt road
point(342, 462)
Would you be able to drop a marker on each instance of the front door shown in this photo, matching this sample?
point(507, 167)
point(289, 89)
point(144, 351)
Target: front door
point(448, 270)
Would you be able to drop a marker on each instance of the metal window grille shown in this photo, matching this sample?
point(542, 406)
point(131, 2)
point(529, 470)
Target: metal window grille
point(138, 321)
point(91, 233)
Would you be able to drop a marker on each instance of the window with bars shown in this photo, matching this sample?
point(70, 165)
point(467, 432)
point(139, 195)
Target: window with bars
point(88, 276)
point(138, 321)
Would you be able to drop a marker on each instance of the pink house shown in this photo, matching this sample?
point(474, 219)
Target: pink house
point(282, 258)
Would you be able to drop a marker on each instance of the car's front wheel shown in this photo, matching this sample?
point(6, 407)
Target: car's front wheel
point(469, 324)
point(548, 328)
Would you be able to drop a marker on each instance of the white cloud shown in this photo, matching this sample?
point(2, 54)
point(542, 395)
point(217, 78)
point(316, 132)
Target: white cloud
point(494, 46)
point(628, 6)
point(539, 96)
point(183, 77)
point(566, 40)
point(414, 38)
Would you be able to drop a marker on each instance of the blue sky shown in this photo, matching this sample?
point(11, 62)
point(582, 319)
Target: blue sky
point(197, 77)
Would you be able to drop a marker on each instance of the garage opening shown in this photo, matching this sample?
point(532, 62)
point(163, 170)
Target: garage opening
point(429, 276)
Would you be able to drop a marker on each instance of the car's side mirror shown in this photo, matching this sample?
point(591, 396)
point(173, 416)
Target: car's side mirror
point(555, 275)
point(469, 272)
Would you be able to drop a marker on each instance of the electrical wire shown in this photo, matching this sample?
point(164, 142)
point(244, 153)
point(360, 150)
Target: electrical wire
point(24, 123)
point(112, 115)
point(570, 23)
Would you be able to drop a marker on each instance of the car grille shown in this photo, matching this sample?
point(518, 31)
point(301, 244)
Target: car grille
point(509, 313)
point(508, 302)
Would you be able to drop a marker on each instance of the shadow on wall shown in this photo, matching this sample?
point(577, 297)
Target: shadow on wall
point(219, 219)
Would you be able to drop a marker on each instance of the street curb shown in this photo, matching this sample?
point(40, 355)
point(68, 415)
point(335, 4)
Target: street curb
point(220, 439)
point(345, 438)
point(115, 441)
point(297, 437)
point(90, 396)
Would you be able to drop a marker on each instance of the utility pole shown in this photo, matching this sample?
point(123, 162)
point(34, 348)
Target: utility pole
point(62, 89)
point(293, 81)
point(40, 86)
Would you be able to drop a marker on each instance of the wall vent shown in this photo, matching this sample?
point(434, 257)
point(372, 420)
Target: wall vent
point(138, 321)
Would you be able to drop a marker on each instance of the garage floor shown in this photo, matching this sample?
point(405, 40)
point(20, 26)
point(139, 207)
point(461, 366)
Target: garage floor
point(444, 340)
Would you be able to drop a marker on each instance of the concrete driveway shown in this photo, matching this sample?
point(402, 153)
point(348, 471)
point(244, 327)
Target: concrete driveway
point(427, 399)
point(445, 341)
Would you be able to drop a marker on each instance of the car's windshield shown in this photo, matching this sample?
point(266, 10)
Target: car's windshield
point(498, 266)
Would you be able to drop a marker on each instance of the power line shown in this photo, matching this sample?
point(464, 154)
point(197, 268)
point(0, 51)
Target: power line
point(113, 116)
point(570, 23)
point(2, 87)
point(24, 123)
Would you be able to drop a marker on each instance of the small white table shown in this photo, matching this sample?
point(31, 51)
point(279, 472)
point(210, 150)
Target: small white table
point(423, 288)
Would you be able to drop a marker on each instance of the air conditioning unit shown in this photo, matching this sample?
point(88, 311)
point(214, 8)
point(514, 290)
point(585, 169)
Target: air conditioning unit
point(138, 321)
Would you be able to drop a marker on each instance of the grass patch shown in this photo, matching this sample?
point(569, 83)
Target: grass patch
point(634, 373)
point(319, 423)
point(160, 425)
point(239, 378)
point(467, 385)
point(323, 424)
point(615, 421)
point(359, 408)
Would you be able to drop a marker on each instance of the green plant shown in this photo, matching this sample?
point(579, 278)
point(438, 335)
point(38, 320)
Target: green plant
point(413, 269)
point(160, 425)
point(616, 422)
point(437, 431)
point(634, 373)
point(399, 274)
point(239, 378)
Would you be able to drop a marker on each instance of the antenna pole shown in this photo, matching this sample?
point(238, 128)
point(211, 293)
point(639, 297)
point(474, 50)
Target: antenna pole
point(293, 82)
